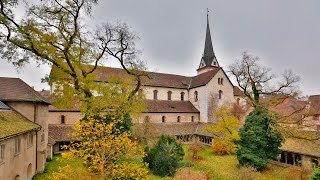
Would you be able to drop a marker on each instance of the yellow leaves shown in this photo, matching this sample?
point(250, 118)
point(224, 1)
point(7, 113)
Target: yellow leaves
point(108, 153)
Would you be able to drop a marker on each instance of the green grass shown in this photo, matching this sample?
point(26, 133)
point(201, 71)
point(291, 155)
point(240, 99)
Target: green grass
point(59, 163)
point(209, 165)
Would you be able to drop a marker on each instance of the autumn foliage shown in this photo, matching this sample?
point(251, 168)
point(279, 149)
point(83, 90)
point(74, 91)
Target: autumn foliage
point(108, 150)
point(225, 131)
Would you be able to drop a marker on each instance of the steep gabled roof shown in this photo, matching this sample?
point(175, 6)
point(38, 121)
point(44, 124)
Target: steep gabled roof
point(162, 106)
point(14, 89)
point(155, 79)
point(13, 123)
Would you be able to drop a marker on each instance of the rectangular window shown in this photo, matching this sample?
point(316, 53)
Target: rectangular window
point(17, 145)
point(1, 153)
point(30, 139)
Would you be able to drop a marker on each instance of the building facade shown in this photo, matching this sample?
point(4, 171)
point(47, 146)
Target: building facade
point(24, 130)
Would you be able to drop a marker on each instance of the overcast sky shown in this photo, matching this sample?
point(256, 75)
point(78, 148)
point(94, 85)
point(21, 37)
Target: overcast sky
point(284, 34)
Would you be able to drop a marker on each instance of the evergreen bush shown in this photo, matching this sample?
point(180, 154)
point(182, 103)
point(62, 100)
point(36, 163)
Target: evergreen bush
point(259, 142)
point(163, 158)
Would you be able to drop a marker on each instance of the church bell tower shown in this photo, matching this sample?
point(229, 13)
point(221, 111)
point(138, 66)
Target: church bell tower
point(209, 60)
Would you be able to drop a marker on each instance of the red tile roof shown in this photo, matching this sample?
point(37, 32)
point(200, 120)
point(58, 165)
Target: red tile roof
point(14, 89)
point(154, 78)
point(161, 106)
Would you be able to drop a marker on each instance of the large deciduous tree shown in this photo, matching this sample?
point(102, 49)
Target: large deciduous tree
point(259, 137)
point(57, 32)
point(256, 80)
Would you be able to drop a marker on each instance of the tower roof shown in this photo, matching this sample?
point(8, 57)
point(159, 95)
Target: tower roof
point(208, 57)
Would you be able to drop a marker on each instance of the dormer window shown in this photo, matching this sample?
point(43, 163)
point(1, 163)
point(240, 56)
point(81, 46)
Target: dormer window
point(182, 96)
point(155, 94)
point(169, 95)
point(62, 119)
point(196, 96)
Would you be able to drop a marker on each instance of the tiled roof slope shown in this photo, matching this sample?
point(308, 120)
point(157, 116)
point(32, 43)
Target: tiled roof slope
point(302, 146)
point(14, 89)
point(162, 106)
point(157, 129)
point(237, 91)
point(59, 132)
point(153, 79)
point(13, 123)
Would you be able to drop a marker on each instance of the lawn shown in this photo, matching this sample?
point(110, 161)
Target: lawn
point(209, 166)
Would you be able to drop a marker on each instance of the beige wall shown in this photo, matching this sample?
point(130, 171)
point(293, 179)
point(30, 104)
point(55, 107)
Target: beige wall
point(17, 164)
point(209, 91)
point(163, 93)
point(70, 117)
point(169, 117)
point(38, 113)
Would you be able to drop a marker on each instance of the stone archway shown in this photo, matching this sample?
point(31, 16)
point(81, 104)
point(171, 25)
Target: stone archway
point(29, 172)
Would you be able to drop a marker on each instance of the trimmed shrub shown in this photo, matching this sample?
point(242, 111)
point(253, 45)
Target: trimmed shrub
point(164, 157)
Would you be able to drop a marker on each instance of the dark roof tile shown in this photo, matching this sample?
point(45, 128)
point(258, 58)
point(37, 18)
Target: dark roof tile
point(14, 89)
point(161, 106)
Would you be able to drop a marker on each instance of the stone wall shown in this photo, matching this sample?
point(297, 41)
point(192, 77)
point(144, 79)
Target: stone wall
point(22, 164)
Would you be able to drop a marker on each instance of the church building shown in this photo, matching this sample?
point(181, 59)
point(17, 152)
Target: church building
point(177, 105)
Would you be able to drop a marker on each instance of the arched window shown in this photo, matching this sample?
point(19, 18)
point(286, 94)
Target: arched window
point(221, 81)
point(218, 80)
point(196, 96)
point(163, 119)
point(155, 94)
point(169, 95)
point(182, 96)
point(238, 101)
point(178, 119)
point(62, 119)
point(220, 94)
point(192, 118)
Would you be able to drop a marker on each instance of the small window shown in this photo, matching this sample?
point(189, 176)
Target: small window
point(42, 137)
point(196, 96)
point(220, 94)
point(63, 119)
point(30, 139)
point(17, 143)
point(182, 96)
point(192, 118)
point(221, 81)
point(169, 95)
point(178, 119)
point(163, 119)
point(218, 80)
point(1, 153)
point(155, 94)
point(238, 101)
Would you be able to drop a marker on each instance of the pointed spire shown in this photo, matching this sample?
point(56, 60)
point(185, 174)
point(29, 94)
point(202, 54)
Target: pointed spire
point(208, 58)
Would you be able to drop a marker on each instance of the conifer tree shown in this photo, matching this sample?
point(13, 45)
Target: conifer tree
point(258, 143)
